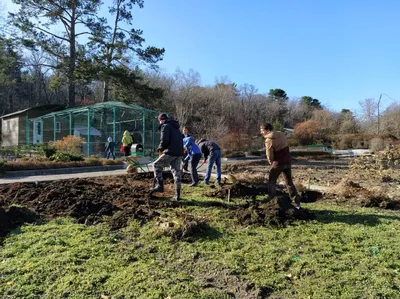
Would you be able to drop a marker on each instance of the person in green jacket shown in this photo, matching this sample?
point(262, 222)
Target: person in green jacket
point(127, 142)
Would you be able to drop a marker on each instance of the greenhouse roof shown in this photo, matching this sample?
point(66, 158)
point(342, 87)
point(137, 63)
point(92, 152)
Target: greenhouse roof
point(109, 104)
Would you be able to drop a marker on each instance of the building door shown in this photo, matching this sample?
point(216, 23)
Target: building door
point(37, 132)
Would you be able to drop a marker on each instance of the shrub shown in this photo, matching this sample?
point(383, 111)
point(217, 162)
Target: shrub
point(66, 157)
point(377, 144)
point(35, 158)
point(234, 154)
point(69, 144)
point(9, 152)
point(235, 141)
point(293, 142)
point(3, 166)
point(48, 150)
point(110, 162)
point(306, 131)
point(93, 161)
point(349, 141)
point(34, 165)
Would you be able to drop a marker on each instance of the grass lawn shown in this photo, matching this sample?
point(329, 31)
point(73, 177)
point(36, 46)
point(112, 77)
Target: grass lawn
point(345, 252)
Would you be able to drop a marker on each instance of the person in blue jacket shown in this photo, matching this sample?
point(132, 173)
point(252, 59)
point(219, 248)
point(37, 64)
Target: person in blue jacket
point(193, 157)
point(185, 133)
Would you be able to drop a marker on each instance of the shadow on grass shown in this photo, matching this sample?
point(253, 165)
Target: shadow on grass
point(193, 202)
point(327, 216)
point(204, 203)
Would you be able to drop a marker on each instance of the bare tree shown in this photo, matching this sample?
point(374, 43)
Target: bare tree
point(390, 120)
point(368, 117)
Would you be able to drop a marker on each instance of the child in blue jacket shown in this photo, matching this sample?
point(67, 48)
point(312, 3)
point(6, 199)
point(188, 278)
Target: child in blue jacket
point(193, 156)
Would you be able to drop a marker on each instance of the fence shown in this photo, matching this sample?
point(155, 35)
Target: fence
point(95, 124)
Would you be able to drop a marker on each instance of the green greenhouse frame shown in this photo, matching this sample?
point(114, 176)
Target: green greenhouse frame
point(95, 123)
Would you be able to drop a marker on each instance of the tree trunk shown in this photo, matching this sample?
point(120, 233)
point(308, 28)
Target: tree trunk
point(72, 57)
point(106, 90)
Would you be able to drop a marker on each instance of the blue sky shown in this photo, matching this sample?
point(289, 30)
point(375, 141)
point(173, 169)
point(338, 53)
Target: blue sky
point(340, 52)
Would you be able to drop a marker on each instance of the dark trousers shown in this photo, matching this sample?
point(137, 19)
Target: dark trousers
point(194, 161)
point(286, 170)
point(110, 153)
point(127, 150)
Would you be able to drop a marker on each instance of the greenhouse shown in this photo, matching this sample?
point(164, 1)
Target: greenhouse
point(95, 124)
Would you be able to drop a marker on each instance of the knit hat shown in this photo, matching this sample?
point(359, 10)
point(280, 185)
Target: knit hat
point(162, 116)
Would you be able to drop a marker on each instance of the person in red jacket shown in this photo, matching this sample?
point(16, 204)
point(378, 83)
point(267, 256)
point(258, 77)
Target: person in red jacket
point(278, 155)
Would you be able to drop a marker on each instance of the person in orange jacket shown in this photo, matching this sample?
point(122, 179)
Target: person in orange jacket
point(278, 155)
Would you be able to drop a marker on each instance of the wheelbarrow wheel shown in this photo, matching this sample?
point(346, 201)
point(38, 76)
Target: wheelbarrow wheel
point(132, 169)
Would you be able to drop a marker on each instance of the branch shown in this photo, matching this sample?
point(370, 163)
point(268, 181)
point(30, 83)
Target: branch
point(60, 16)
point(42, 64)
point(54, 35)
point(53, 53)
point(66, 24)
point(83, 33)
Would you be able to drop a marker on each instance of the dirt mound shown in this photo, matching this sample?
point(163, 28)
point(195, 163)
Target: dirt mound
point(310, 196)
point(381, 201)
point(238, 190)
point(348, 188)
point(87, 200)
point(168, 178)
point(184, 226)
point(275, 212)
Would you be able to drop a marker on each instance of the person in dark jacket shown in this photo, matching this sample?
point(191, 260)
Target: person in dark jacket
point(278, 155)
point(110, 148)
point(193, 157)
point(212, 154)
point(171, 154)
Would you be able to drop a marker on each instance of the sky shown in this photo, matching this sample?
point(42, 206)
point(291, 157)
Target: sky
point(338, 51)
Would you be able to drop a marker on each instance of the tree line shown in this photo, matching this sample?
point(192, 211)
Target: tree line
point(64, 52)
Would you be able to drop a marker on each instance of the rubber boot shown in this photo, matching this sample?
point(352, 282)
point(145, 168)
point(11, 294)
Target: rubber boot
point(294, 196)
point(159, 185)
point(177, 196)
point(271, 189)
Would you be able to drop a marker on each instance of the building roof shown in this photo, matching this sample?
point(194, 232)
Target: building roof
point(40, 107)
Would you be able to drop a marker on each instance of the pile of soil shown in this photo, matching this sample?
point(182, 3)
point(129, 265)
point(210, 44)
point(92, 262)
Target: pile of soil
point(238, 190)
point(383, 202)
point(348, 188)
point(310, 196)
point(185, 227)
point(245, 191)
point(356, 194)
point(122, 198)
point(277, 211)
point(87, 200)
